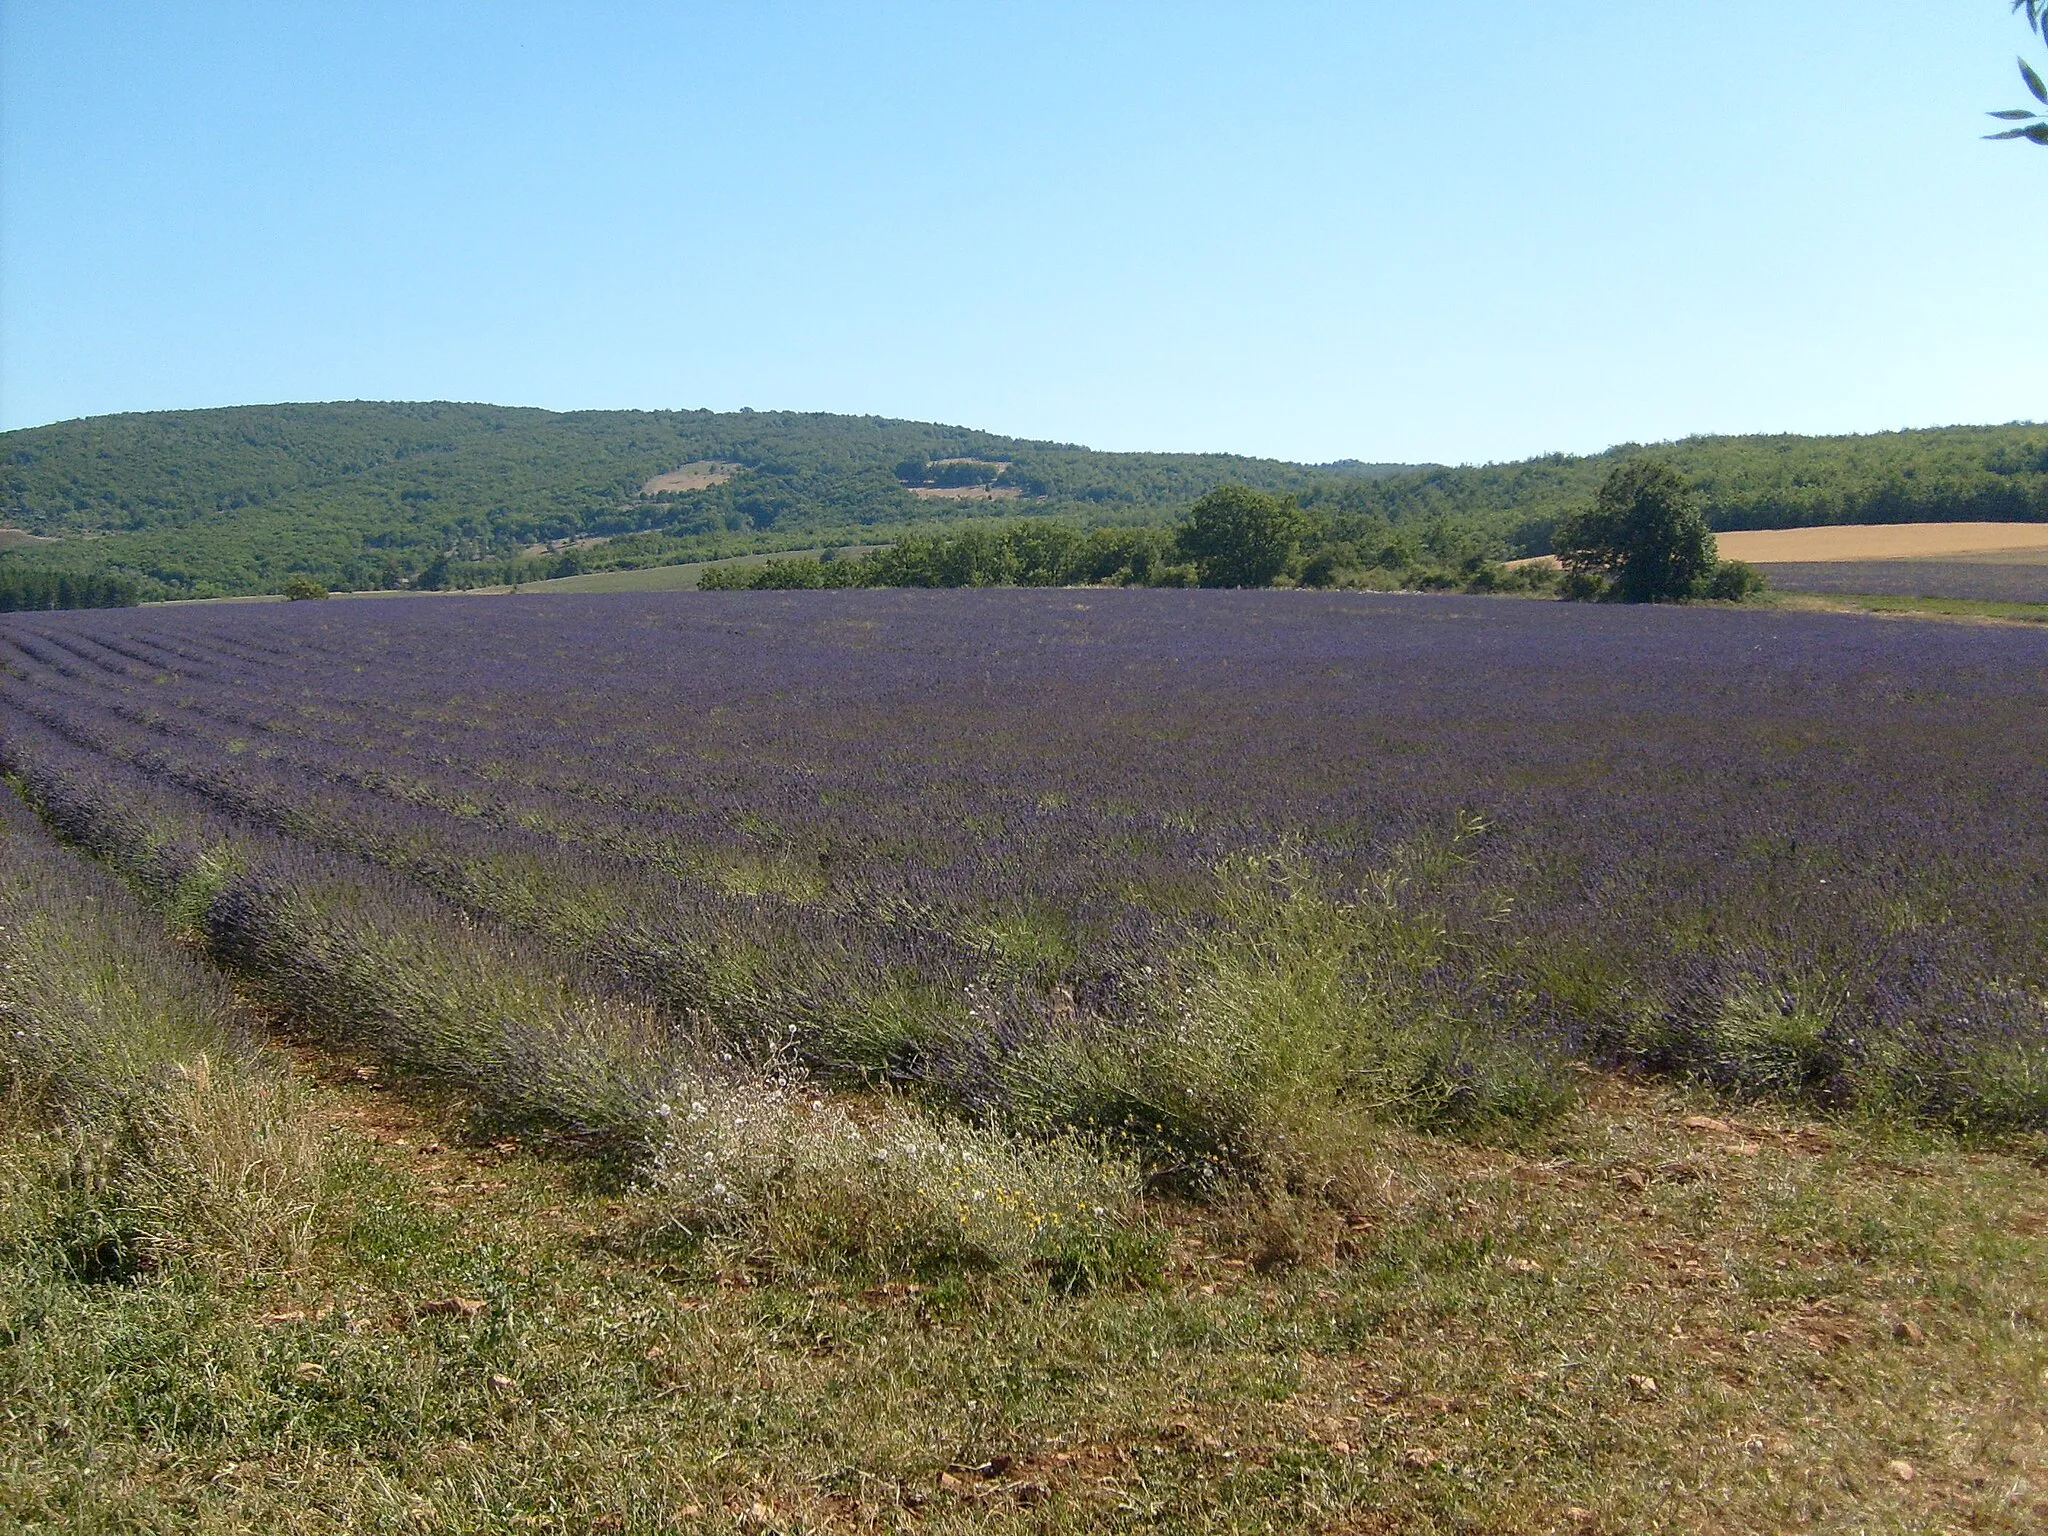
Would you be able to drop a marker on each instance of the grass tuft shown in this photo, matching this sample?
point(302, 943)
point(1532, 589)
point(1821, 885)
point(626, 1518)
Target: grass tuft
point(771, 1172)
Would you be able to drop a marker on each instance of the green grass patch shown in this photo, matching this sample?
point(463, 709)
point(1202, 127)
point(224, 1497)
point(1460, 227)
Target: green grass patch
point(1929, 607)
point(1651, 1326)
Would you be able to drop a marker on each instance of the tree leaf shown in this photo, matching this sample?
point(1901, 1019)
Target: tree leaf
point(2010, 133)
point(2038, 133)
point(2015, 115)
point(2033, 81)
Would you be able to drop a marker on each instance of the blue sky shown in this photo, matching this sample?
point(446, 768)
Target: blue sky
point(1392, 231)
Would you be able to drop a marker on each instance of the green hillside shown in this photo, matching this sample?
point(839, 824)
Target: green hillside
point(1942, 474)
point(367, 494)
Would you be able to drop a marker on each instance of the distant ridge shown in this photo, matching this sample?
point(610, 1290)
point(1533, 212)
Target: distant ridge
point(369, 493)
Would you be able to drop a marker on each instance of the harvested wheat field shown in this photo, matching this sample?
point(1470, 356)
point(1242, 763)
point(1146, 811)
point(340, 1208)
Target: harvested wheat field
point(1885, 541)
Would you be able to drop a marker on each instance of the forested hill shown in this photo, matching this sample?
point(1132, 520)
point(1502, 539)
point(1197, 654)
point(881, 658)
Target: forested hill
point(364, 494)
point(1942, 474)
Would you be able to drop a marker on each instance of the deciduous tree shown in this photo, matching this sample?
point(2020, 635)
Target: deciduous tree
point(2029, 125)
point(1239, 537)
point(1644, 539)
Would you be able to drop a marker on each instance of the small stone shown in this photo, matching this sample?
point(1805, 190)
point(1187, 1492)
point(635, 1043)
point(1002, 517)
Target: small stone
point(1902, 1470)
point(1709, 1123)
point(1643, 1386)
point(1419, 1456)
point(1907, 1332)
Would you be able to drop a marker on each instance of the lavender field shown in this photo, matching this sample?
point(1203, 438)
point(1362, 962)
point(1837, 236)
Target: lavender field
point(1185, 871)
point(1991, 581)
point(1021, 1060)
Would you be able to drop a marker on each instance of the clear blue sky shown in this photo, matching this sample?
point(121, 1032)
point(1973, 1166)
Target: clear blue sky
point(1396, 231)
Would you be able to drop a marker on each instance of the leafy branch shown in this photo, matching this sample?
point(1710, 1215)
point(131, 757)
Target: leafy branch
point(2035, 127)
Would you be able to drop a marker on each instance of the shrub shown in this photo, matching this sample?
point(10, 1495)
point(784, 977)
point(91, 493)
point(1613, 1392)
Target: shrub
point(786, 1176)
point(1274, 1039)
point(299, 589)
point(1321, 569)
point(1582, 586)
point(1735, 581)
point(783, 575)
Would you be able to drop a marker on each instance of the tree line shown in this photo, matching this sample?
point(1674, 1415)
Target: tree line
point(1645, 538)
point(31, 590)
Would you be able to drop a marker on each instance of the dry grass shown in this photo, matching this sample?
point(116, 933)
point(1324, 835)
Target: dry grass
point(966, 492)
point(229, 1171)
point(557, 546)
point(776, 1173)
point(698, 475)
point(1668, 1318)
point(1886, 541)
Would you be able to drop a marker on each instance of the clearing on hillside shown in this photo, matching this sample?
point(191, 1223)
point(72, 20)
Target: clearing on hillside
point(965, 492)
point(699, 475)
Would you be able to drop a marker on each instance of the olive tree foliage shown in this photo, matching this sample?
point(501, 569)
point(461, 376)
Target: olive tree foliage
point(1644, 539)
point(2028, 124)
point(1238, 537)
